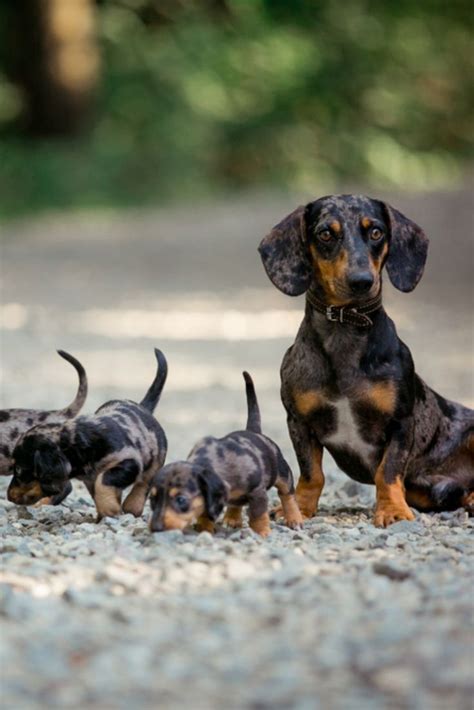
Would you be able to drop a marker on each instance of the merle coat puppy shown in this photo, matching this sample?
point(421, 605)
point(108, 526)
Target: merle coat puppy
point(236, 470)
point(14, 422)
point(348, 382)
point(120, 445)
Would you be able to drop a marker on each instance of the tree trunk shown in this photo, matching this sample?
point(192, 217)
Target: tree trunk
point(57, 63)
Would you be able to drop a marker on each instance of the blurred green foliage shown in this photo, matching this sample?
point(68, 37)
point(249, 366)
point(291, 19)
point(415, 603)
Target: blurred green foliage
point(201, 97)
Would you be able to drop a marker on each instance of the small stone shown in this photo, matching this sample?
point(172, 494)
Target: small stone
point(391, 570)
point(205, 539)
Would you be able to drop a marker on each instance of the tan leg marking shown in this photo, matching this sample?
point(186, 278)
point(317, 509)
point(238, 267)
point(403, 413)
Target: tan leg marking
point(309, 492)
point(291, 512)
point(468, 502)
point(107, 499)
point(391, 504)
point(233, 516)
point(204, 524)
point(135, 501)
point(261, 525)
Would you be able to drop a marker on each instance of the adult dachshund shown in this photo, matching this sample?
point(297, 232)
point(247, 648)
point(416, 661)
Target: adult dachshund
point(348, 381)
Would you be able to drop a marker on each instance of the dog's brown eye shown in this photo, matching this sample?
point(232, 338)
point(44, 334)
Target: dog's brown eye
point(325, 235)
point(376, 234)
point(181, 503)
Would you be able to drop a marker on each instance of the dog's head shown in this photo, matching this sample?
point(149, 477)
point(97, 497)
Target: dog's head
point(40, 468)
point(341, 243)
point(181, 492)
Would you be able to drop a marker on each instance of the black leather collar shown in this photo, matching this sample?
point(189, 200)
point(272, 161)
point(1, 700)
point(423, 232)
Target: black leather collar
point(353, 315)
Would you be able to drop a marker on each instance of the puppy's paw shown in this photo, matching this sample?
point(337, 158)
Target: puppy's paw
point(203, 524)
point(233, 517)
point(387, 515)
point(294, 524)
point(468, 503)
point(261, 525)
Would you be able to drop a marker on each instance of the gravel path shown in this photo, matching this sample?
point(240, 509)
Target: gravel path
point(337, 616)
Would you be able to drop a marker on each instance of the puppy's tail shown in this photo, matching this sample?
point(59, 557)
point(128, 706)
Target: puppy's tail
point(253, 413)
point(81, 394)
point(150, 400)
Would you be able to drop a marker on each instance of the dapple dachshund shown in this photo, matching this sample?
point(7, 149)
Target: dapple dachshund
point(235, 470)
point(15, 422)
point(348, 382)
point(120, 445)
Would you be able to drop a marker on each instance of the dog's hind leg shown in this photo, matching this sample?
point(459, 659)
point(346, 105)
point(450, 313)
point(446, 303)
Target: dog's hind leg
point(233, 516)
point(107, 498)
point(286, 492)
point(259, 519)
point(136, 499)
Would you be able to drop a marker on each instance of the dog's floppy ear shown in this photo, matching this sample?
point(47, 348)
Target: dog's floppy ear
point(284, 257)
point(408, 250)
point(50, 463)
point(214, 492)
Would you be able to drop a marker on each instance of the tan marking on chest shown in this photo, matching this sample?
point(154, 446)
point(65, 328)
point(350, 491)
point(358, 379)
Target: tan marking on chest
point(308, 401)
point(382, 396)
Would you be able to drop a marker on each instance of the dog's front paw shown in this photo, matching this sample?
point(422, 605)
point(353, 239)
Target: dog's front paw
point(388, 514)
point(468, 503)
point(233, 517)
point(261, 525)
point(203, 524)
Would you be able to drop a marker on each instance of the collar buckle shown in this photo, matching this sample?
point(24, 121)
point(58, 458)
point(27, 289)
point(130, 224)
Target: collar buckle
point(332, 315)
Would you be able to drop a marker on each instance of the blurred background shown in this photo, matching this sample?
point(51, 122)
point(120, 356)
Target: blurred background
point(133, 102)
point(146, 146)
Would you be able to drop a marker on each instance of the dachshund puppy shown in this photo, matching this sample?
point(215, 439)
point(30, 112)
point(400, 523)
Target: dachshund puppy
point(15, 422)
point(348, 382)
point(236, 470)
point(121, 445)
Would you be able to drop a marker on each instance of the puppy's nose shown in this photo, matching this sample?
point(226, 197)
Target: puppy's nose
point(361, 283)
point(156, 526)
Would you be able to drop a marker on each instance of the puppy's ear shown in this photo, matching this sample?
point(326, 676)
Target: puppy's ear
point(284, 254)
point(408, 250)
point(214, 492)
point(51, 463)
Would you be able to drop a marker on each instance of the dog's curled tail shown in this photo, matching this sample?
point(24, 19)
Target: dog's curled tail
point(151, 399)
point(81, 394)
point(253, 413)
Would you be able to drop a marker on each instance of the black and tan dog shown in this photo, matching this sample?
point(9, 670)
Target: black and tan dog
point(348, 381)
point(15, 422)
point(120, 445)
point(235, 470)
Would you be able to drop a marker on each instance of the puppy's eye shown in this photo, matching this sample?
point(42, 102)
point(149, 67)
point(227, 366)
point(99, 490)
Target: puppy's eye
point(376, 234)
point(181, 503)
point(325, 235)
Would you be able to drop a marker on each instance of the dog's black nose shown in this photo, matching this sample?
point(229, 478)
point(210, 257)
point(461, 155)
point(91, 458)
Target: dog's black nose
point(156, 526)
point(361, 283)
